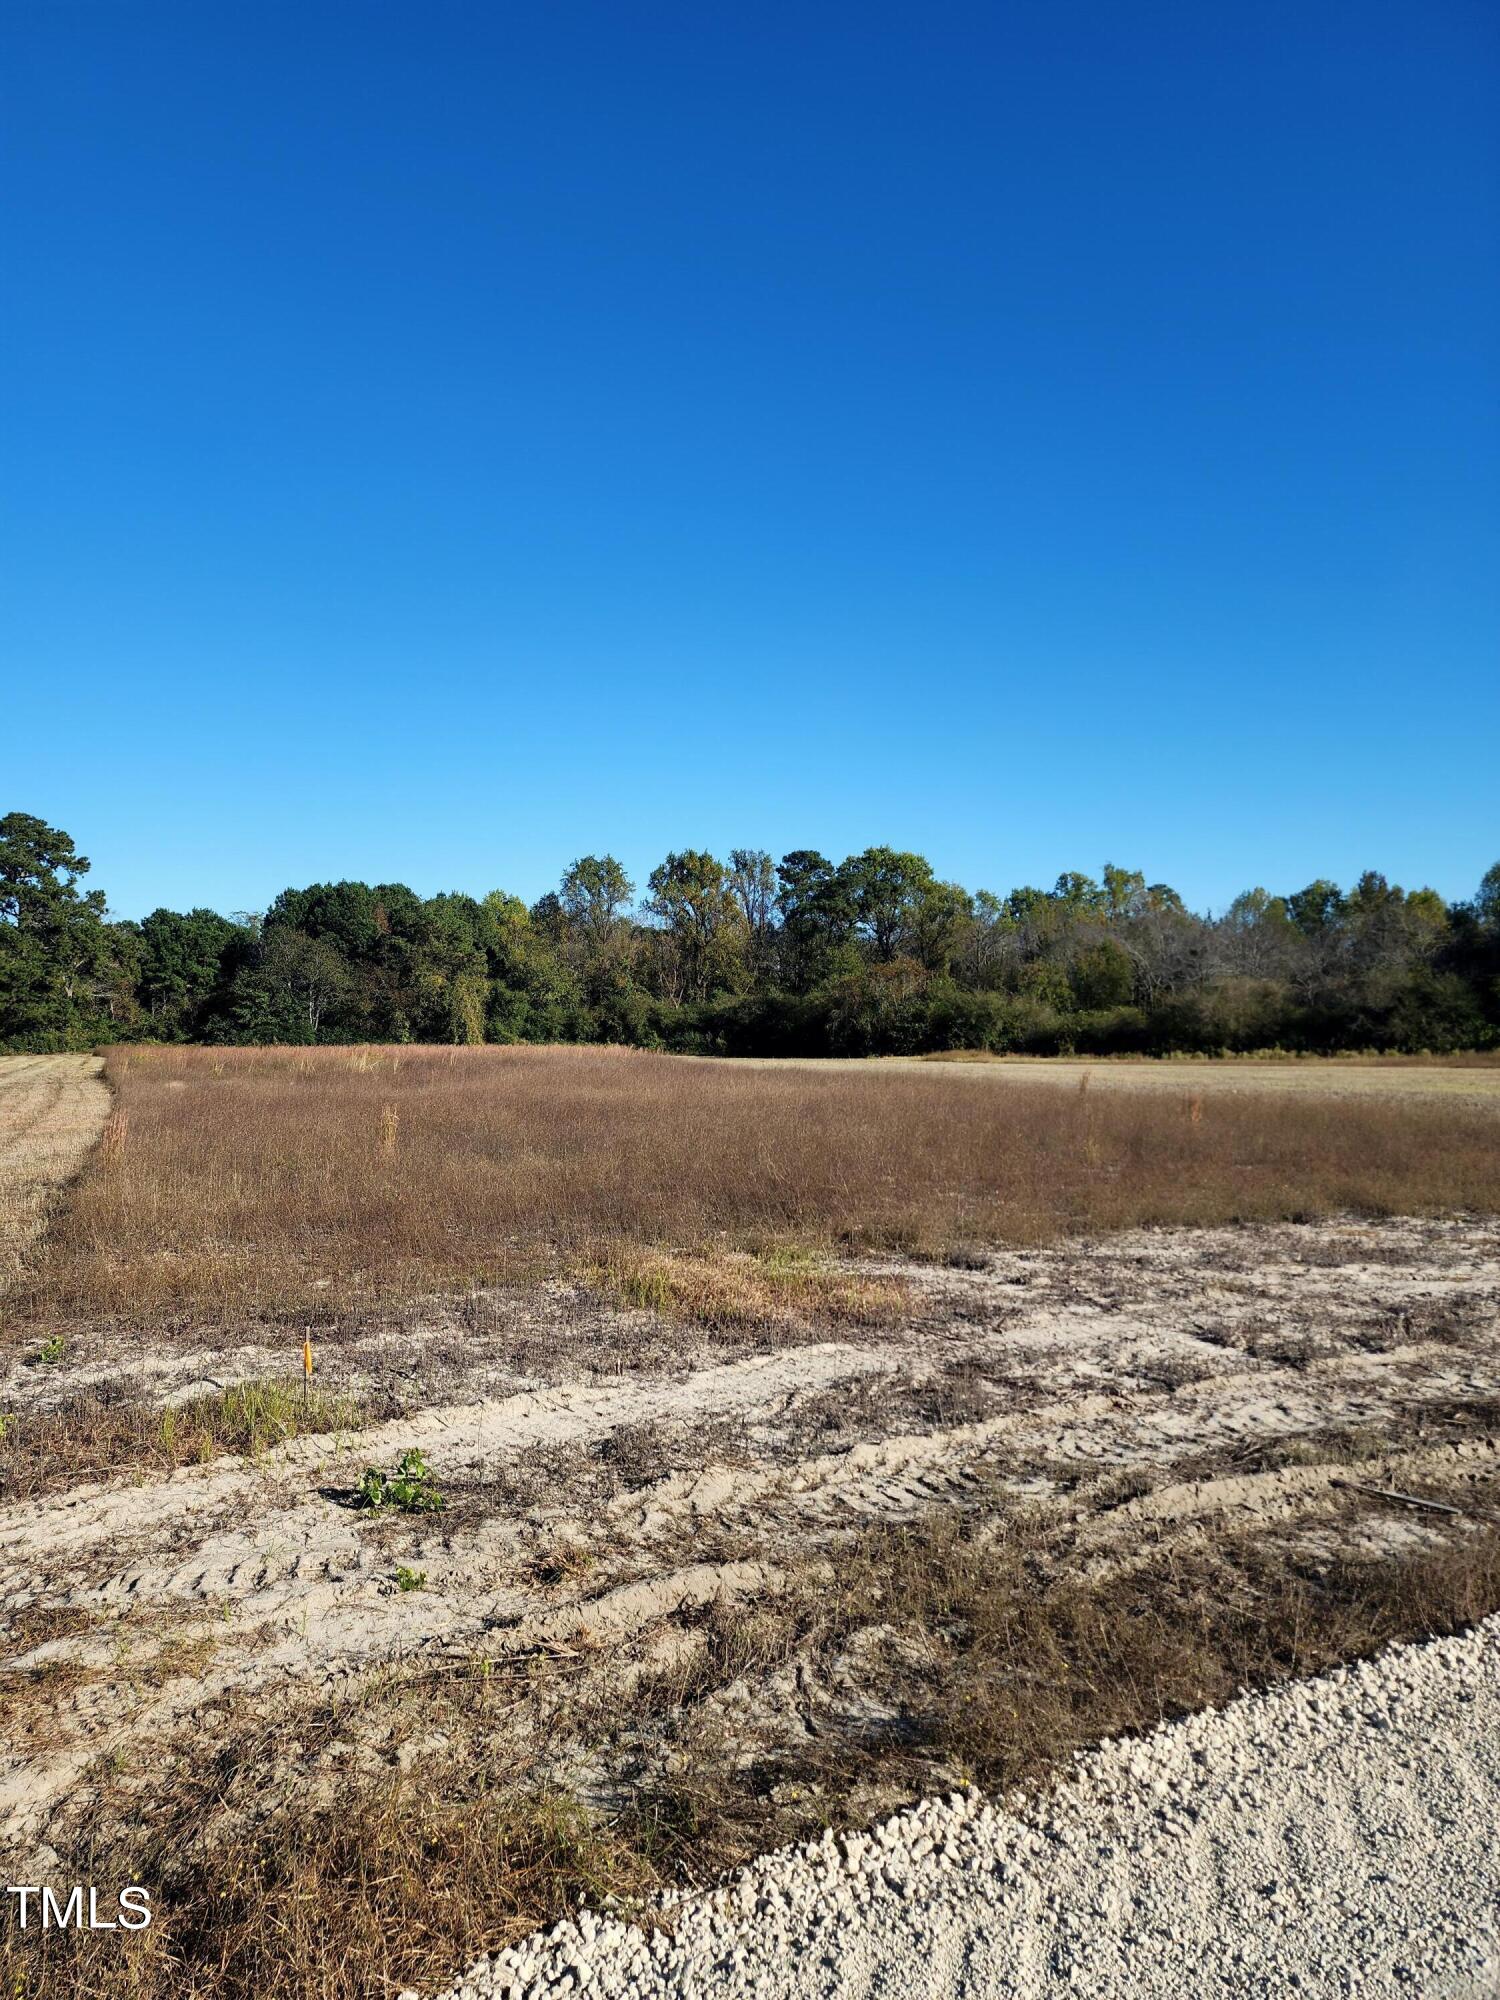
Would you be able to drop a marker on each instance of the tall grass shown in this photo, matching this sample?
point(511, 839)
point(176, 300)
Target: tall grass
point(89, 1435)
point(302, 1182)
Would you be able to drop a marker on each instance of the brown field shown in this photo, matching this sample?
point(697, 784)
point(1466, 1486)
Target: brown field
point(274, 1182)
point(1464, 1079)
point(807, 1442)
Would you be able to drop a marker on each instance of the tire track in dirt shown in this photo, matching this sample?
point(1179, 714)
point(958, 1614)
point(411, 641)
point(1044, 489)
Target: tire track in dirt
point(293, 1491)
point(302, 1592)
point(460, 1438)
point(1111, 1358)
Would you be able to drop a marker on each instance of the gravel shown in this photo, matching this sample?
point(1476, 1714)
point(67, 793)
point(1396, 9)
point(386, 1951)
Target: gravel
point(1334, 1836)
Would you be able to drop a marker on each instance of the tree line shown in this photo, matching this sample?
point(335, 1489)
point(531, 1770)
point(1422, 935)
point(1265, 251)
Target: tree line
point(870, 955)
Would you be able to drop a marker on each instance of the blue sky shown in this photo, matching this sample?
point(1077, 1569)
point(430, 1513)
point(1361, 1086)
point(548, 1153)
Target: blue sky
point(441, 440)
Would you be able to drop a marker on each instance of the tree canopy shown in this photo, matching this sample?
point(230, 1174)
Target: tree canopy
point(871, 954)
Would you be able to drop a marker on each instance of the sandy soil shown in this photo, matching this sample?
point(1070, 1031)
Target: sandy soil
point(610, 1477)
point(52, 1109)
point(1141, 1384)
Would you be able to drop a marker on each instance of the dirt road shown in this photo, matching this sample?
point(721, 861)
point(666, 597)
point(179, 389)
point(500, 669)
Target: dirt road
point(52, 1109)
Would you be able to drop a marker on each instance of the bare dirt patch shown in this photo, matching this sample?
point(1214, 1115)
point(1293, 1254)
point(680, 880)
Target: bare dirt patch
point(835, 1568)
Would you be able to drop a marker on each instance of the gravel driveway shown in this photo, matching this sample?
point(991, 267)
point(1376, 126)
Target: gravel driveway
point(1335, 1836)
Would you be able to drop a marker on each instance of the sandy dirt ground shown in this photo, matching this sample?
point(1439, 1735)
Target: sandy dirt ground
point(52, 1109)
point(610, 1476)
point(1142, 1385)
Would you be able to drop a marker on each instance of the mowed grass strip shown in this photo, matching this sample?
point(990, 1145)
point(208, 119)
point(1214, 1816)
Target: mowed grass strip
point(284, 1182)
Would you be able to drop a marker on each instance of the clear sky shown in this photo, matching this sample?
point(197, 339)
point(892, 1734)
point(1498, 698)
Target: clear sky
point(442, 439)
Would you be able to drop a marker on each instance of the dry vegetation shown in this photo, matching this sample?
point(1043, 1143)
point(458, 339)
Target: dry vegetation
point(937, 1503)
point(308, 1183)
point(1339, 1059)
point(92, 1434)
point(982, 1656)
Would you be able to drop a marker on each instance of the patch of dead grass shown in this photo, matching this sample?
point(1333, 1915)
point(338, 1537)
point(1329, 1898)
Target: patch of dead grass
point(381, 1881)
point(733, 1289)
point(977, 1659)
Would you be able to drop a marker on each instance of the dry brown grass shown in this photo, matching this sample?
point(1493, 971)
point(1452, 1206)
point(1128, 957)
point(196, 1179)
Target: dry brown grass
point(275, 1182)
point(979, 1661)
point(979, 1658)
point(345, 1897)
point(90, 1435)
point(1025, 1663)
point(736, 1288)
point(1352, 1059)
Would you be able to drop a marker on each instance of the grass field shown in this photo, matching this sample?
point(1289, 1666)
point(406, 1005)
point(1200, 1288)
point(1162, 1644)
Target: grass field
point(789, 1445)
point(308, 1183)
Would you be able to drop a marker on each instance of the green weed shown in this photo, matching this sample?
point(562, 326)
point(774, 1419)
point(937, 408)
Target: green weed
point(409, 1489)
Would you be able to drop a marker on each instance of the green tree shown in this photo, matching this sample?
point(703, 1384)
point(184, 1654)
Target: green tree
point(1125, 892)
point(448, 967)
point(693, 901)
point(350, 915)
point(1318, 908)
point(533, 995)
point(594, 896)
point(1102, 976)
point(1487, 901)
point(886, 890)
point(57, 954)
point(592, 930)
point(936, 923)
point(307, 976)
point(1025, 905)
point(1080, 894)
point(183, 961)
point(817, 920)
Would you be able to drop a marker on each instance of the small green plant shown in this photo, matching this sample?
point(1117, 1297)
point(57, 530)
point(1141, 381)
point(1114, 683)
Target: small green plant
point(50, 1350)
point(789, 1260)
point(647, 1287)
point(409, 1489)
point(409, 1579)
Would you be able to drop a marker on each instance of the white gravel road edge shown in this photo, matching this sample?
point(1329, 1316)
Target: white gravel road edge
point(1331, 1836)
